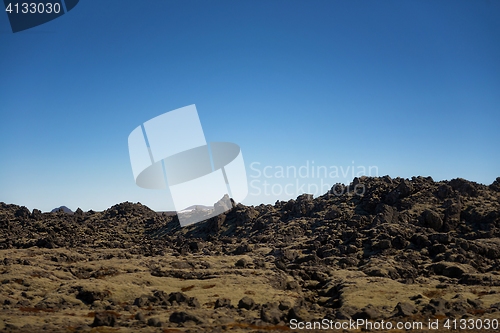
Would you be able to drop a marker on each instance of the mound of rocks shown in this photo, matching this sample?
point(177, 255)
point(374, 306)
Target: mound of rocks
point(414, 232)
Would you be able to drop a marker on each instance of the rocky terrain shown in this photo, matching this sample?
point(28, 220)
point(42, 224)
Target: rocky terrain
point(397, 250)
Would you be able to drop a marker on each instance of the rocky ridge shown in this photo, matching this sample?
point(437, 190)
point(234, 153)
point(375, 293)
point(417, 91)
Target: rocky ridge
point(380, 248)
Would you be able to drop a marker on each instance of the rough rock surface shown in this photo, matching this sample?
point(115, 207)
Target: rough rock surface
point(399, 250)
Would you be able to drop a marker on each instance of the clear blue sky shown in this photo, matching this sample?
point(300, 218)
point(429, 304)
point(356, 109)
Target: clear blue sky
point(411, 87)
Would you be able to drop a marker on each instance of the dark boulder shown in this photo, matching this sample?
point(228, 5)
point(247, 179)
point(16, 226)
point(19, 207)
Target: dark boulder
point(246, 303)
point(105, 318)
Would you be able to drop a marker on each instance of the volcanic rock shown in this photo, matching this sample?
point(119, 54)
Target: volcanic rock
point(414, 248)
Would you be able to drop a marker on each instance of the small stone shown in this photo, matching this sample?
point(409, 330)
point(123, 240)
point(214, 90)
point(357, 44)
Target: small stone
point(477, 303)
point(182, 317)
point(299, 313)
point(104, 318)
point(404, 309)
point(241, 263)
point(271, 314)
point(246, 303)
point(285, 305)
point(154, 322)
point(368, 312)
point(222, 303)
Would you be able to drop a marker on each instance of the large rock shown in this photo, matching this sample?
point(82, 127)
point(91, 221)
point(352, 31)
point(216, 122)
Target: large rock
point(452, 270)
point(246, 303)
point(105, 318)
point(404, 309)
point(270, 313)
point(182, 317)
point(432, 220)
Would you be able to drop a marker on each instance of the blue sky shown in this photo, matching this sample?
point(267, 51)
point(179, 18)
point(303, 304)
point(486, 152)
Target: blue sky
point(411, 87)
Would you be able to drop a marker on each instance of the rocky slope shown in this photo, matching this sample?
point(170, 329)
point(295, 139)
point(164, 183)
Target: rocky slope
point(380, 249)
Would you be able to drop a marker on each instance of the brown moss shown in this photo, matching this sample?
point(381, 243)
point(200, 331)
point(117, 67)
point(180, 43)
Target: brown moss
point(208, 286)
point(477, 312)
point(35, 310)
point(188, 288)
point(257, 327)
point(433, 293)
